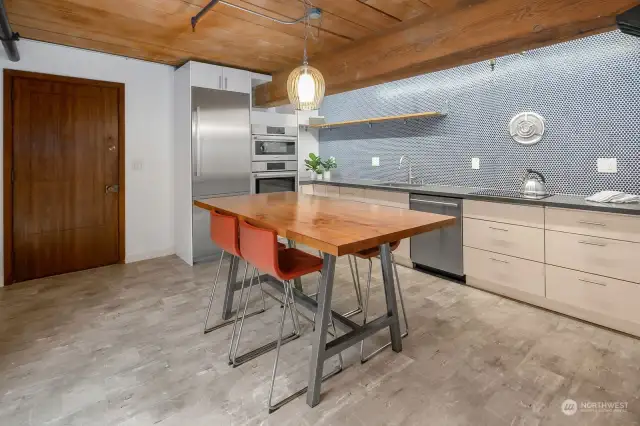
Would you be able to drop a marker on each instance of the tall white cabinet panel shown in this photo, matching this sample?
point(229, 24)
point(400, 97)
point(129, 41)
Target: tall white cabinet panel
point(182, 165)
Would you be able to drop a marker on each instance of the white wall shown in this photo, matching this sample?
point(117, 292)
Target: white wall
point(307, 142)
point(148, 134)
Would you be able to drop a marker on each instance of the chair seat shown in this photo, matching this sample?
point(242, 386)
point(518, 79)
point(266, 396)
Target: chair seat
point(375, 251)
point(281, 246)
point(294, 263)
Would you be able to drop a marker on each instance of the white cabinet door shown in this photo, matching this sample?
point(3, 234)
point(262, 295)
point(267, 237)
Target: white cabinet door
point(236, 80)
point(206, 75)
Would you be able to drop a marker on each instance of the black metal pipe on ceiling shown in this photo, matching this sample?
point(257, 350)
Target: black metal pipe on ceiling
point(7, 36)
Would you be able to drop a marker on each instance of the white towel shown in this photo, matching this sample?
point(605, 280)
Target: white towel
point(613, 197)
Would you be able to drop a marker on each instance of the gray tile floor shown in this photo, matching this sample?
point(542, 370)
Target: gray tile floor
point(123, 345)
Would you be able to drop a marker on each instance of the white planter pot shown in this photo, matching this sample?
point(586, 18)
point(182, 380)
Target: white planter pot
point(312, 175)
point(327, 175)
point(319, 176)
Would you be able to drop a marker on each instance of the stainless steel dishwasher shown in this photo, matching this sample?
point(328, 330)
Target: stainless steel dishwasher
point(440, 249)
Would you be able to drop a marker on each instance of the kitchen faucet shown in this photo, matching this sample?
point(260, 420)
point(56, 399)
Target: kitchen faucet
point(409, 174)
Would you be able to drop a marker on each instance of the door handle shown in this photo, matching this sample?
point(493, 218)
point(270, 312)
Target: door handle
point(592, 282)
point(586, 222)
point(112, 188)
point(220, 82)
point(591, 243)
point(499, 229)
point(225, 82)
point(438, 203)
point(198, 170)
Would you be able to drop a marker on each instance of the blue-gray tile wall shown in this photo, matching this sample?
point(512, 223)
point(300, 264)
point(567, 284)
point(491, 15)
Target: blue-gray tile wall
point(587, 90)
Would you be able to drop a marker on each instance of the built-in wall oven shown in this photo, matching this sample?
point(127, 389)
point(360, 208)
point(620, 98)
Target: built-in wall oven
point(274, 176)
point(274, 143)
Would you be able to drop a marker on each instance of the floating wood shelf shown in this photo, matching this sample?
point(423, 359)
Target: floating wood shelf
point(376, 120)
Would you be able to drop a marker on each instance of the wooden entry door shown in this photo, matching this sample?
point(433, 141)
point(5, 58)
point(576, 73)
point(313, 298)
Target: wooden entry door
point(65, 176)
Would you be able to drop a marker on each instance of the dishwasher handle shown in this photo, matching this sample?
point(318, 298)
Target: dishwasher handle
point(438, 203)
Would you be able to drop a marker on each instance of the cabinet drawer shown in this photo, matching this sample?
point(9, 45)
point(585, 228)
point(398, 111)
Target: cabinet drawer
point(505, 213)
point(387, 198)
point(306, 189)
point(614, 298)
point(506, 271)
point(404, 250)
point(332, 191)
point(611, 258)
point(355, 194)
point(320, 190)
point(597, 224)
point(513, 240)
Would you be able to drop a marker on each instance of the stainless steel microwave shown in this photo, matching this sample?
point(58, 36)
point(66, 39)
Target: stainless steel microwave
point(274, 143)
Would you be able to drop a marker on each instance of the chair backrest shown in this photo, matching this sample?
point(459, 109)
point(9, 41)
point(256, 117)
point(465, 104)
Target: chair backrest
point(224, 232)
point(259, 247)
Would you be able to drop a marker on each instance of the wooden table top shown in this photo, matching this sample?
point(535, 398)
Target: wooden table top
point(333, 226)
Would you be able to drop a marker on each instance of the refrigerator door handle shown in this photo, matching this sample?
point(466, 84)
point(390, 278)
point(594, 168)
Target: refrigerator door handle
point(198, 171)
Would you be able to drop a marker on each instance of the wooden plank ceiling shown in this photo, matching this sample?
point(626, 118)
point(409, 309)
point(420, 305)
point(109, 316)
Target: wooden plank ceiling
point(357, 42)
point(160, 30)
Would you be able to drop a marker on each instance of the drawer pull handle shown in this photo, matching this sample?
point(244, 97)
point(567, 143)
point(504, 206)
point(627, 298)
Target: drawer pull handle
point(586, 222)
point(498, 260)
point(499, 229)
point(592, 282)
point(591, 243)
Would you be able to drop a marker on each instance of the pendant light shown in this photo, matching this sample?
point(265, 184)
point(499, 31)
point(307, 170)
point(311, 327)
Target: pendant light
point(305, 85)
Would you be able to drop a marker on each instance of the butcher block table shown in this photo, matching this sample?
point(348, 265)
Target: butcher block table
point(336, 228)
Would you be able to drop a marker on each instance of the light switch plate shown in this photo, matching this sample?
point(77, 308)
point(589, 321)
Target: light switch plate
point(137, 164)
point(375, 161)
point(475, 163)
point(607, 165)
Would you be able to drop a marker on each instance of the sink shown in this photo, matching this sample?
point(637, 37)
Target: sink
point(399, 184)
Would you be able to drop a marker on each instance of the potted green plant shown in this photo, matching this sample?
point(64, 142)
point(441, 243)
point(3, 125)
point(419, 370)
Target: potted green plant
point(328, 165)
point(314, 165)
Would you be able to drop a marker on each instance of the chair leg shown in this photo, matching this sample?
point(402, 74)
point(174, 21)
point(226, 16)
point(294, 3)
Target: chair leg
point(290, 304)
point(236, 360)
point(211, 297)
point(364, 358)
point(213, 291)
point(356, 285)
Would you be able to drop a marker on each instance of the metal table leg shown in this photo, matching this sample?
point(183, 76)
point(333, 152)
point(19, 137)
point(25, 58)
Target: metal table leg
point(230, 289)
point(390, 296)
point(323, 318)
point(297, 283)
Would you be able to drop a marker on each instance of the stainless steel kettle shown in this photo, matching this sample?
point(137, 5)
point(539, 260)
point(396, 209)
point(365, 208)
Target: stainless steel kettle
point(533, 183)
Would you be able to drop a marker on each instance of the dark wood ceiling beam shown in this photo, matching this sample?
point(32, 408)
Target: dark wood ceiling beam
point(428, 43)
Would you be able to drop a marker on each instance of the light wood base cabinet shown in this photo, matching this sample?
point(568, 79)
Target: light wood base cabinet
point(607, 296)
point(602, 256)
point(503, 274)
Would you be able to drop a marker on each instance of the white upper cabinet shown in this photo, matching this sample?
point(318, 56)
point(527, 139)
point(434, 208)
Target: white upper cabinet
point(206, 75)
point(236, 80)
point(220, 78)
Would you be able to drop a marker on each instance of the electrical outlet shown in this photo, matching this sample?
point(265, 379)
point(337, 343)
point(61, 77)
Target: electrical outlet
point(607, 165)
point(137, 164)
point(375, 161)
point(475, 163)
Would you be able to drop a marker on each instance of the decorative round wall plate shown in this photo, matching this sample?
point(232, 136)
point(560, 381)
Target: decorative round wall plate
point(527, 128)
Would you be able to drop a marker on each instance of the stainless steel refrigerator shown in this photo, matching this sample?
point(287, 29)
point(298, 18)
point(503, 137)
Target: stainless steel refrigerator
point(221, 156)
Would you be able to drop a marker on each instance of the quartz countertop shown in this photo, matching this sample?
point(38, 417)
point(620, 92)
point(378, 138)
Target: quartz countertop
point(561, 201)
